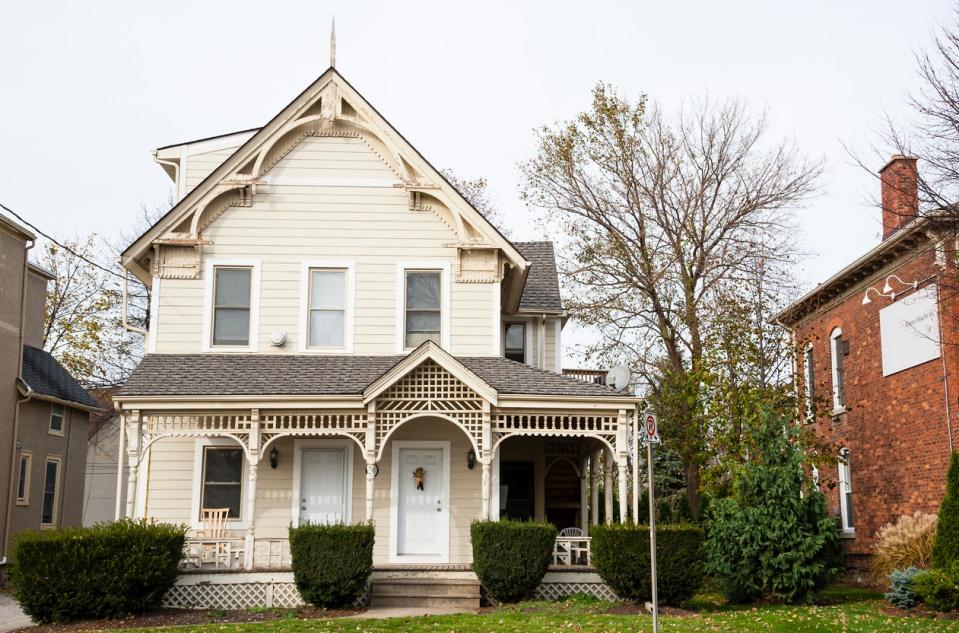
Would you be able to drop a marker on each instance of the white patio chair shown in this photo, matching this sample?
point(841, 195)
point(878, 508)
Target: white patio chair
point(578, 546)
point(215, 546)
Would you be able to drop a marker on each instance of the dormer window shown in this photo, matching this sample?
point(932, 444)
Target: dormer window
point(423, 311)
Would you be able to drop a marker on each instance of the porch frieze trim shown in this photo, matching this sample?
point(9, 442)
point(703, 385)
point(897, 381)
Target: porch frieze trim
point(239, 402)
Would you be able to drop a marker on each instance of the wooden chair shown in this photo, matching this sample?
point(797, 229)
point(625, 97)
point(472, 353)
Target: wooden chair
point(215, 546)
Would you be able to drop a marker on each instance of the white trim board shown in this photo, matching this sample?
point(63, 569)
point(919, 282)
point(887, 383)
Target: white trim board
point(444, 548)
point(298, 447)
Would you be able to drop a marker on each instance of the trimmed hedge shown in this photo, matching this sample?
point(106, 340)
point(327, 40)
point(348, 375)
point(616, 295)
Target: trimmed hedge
point(110, 570)
point(621, 557)
point(331, 563)
point(510, 558)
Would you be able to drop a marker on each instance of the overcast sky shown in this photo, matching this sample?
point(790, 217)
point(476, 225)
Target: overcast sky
point(87, 89)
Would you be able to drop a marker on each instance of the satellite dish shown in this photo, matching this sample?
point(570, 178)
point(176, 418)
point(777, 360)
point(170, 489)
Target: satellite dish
point(618, 377)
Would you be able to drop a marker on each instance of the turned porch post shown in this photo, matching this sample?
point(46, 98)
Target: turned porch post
point(608, 485)
point(253, 457)
point(370, 458)
point(622, 450)
point(133, 457)
point(594, 488)
point(486, 458)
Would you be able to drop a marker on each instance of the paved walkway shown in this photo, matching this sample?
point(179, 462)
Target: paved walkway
point(11, 617)
point(405, 612)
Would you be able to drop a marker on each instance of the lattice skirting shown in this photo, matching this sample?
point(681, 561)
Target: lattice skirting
point(557, 585)
point(245, 591)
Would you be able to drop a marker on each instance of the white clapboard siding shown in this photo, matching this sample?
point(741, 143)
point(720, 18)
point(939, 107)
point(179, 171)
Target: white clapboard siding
point(199, 166)
point(291, 223)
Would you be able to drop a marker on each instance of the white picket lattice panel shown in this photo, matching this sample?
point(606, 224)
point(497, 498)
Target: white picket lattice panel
point(557, 590)
point(240, 595)
point(429, 389)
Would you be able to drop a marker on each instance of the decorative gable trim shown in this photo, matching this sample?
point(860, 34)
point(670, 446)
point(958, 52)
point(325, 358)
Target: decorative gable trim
point(429, 351)
point(330, 106)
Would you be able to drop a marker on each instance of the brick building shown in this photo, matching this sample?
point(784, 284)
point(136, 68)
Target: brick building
point(879, 366)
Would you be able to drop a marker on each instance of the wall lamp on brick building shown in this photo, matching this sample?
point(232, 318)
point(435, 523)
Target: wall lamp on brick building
point(887, 290)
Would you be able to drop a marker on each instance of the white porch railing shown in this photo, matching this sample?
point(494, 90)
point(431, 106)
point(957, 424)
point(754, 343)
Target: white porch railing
point(572, 551)
point(207, 554)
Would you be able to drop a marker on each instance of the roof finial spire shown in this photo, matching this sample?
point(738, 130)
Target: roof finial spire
point(333, 43)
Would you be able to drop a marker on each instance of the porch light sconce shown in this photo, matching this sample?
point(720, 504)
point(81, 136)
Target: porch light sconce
point(274, 457)
point(887, 290)
point(471, 459)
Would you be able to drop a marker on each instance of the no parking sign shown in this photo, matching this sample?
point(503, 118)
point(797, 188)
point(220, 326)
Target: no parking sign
point(651, 427)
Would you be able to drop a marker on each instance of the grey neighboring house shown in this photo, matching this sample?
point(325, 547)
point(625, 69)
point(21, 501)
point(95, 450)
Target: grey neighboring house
point(44, 411)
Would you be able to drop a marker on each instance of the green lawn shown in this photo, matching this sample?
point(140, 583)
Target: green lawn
point(843, 610)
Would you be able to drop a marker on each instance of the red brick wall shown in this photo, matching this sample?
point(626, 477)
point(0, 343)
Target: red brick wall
point(895, 427)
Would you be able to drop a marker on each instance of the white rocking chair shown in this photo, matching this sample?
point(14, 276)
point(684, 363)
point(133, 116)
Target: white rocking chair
point(213, 538)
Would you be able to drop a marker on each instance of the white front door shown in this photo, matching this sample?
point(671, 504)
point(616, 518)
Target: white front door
point(422, 513)
point(323, 494)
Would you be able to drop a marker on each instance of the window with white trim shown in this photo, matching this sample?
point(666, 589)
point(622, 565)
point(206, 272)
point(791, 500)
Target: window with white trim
point(23, 478)
point(56, 419)
point(51, 492)
point(810, 378)
point(838, 348)
point(422, 307)
point(845, 492)
point(222, 483)
point(515, 342)
point(232, 294)
point(326, 322)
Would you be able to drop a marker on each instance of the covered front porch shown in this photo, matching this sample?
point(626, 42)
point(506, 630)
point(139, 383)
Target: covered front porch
point(422, 451)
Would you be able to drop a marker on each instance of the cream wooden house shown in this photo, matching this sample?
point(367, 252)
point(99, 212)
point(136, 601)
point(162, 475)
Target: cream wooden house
point(330, 316)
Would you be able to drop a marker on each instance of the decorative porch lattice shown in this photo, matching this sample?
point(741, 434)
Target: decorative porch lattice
point(429, 389)
point(350, 424)
point(197, 423)
point(507, 423)
point(557, 590)
point(227, 595)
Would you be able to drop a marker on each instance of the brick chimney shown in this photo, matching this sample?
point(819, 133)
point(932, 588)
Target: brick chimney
point(900, 193)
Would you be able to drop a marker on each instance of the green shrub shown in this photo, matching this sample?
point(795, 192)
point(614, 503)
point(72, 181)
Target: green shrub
point(945, 549)
point(510, 558)
point(621, 557)
point(901, 593)
point(937, 588)
point(109, 570)
point(774, 535)
point(331, 563)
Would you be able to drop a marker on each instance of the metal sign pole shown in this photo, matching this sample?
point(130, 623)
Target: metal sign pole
point(652, 535)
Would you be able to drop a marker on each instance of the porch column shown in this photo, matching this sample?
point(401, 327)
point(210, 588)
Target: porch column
point(584, 481)
point(636, 477)
point(608, 485)
point(118, 512)
point(253, 457)
point(486, 458)
point(622, 451)
point(594, 487)
point(370, 458)
point(133, 457)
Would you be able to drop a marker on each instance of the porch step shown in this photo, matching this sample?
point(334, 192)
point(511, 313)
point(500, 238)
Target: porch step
point(425, 592)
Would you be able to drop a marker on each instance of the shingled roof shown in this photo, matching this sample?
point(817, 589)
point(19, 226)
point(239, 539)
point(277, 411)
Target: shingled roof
point(47, 377)
point(300, 375)
point(542, 283)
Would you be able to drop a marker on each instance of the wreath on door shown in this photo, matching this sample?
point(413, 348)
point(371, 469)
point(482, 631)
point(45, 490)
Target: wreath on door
point(419, 475)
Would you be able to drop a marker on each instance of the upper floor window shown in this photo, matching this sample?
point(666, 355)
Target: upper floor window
point(231, 306)
point(23, 478)
point(515, 342)
point(327, 308)
point(839, 348)
point(845, 492)
point(56, 419)
point(231, 311)
point(809, 376)
point(423, 307)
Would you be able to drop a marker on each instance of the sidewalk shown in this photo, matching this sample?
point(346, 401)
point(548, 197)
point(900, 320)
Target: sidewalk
point(11, 617)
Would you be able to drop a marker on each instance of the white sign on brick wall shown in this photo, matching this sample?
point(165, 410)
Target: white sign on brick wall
point(909, 329)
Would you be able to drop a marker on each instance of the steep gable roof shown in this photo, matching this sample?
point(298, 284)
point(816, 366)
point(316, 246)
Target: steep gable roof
point(541, 292)
point(330, 105)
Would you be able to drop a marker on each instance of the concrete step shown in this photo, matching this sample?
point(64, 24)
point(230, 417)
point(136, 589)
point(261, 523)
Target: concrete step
point(377, 602)
point(425, 592)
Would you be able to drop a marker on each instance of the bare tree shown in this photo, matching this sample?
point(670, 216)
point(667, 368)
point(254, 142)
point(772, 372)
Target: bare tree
point(476, 192)
point(661, 218)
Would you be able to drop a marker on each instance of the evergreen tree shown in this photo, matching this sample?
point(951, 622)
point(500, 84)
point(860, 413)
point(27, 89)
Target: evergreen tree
point(774, 536)
point(945, 550)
